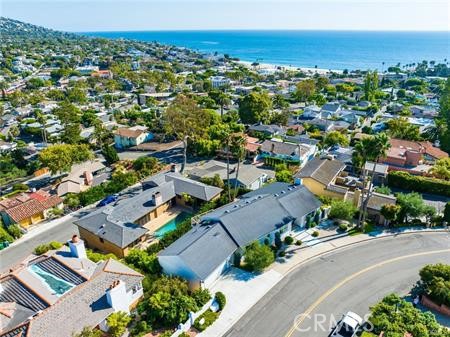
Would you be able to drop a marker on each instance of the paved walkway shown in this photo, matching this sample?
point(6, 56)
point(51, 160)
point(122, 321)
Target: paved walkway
point(243, 289)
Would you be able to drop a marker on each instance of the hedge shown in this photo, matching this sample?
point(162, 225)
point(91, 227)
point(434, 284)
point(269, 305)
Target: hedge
point(407, 181)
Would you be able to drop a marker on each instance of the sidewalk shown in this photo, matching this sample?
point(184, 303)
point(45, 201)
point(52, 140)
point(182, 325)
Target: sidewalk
point(243, 289)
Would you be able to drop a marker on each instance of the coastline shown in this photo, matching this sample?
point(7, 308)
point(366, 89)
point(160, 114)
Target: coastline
point(271, 66)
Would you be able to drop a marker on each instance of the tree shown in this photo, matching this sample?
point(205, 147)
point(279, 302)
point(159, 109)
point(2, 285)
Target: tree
point(412, 206)
point(372, 149)
point(258, 256)
point(447, 212)
point(390, 212)
point(69, 115)
point(334, 138)
point(238, 142)
point(444, 116)
point(282, 173)
point(396, 317)
point(401, 128)
point(441, 169)
point(343, 210)
point(110, 154)
point(117, 323)
point(61, 157)
point(370, 85)
point(255, 107)
point(186, 120)
point(88, 332)
point(221, 98)
point(306, 89)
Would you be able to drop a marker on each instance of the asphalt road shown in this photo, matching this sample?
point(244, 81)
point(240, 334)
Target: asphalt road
point(350, 279)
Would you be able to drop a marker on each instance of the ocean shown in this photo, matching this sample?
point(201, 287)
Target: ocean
point(337, 50)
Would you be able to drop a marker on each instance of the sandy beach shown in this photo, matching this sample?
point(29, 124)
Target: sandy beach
point(270, 66)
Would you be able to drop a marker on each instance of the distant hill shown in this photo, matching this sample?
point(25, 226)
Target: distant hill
point(14, 29)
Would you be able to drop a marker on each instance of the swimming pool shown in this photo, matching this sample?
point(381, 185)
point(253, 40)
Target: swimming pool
point(171, 225)
point(55, 284)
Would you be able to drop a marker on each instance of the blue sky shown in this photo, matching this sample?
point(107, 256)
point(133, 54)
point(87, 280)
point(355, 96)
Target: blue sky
point(104, 15)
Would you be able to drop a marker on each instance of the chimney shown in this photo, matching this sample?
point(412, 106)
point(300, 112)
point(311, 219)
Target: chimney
point(272, 149)
point(88, 178)
point(173, 168)
point(157, 198)
point(77, 248)
point(117, 297)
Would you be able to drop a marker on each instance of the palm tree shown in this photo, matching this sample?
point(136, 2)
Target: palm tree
point(370, 149)
point(238, 147)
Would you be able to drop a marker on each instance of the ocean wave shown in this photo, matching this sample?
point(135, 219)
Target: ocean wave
point(209, 42)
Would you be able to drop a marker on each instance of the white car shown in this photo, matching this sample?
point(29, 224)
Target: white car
point(348, 326)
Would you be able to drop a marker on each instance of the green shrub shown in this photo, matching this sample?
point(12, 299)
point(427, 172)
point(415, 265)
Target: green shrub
point(258, 256)
point(221, 300)
point(343, 210)
point(201, 297)
point(315, 234)
point(209, 317)
point(44, 248)
point(289, 240)
point(343, 227)
point(298, 242)
point(15, 231)
point(282, 253)
point(435, 280)
point(96, 256)
point(407, 181)
point(140, 329)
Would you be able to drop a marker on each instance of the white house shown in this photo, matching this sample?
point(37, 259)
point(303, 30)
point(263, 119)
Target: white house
point(219, 238)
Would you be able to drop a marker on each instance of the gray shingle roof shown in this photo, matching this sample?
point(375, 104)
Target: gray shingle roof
point(281, 148)
point(203, 248)
point(321, 170)
point(237, 224)
point(193, 188)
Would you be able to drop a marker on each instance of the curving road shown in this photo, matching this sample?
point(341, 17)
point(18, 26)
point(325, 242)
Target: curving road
point(353, 278)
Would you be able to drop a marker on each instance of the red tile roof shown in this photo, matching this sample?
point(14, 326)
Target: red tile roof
point(26, 205)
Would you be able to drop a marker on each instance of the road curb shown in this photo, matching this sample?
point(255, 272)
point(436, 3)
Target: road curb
point(290, 270)
point(361, 241)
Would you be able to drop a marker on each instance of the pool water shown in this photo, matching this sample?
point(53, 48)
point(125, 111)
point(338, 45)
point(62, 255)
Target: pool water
point(56, 285)
point(171, 225)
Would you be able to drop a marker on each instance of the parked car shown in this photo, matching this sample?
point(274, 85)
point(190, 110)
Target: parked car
point(348, 326)
point(109, 199)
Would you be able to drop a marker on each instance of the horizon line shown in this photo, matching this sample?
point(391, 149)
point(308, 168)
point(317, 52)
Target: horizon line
point(258, 30)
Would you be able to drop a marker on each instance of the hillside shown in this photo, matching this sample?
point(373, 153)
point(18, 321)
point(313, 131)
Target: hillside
point(14, 29)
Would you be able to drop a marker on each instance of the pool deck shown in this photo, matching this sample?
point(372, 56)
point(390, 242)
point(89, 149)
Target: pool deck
point(164, 218)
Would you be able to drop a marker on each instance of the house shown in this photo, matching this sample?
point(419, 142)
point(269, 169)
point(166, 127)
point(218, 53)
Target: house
point(311, 112)
point(26, 209)
point(218, 82)
point(416, 157)
point(252, 146)
point(250, 177)
point(118, 227)
point(287, 151)
point(322, 124)
point(219, 237)
point(7, 146)
point(60, 292)
point(128, 137)
point(266, 130)
point(325, 177)
point(82, 176)
point(330, 109)
point(105, 74)
point(380, 171)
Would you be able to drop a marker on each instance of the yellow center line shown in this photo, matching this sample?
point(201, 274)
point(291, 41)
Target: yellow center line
point(297, 323)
